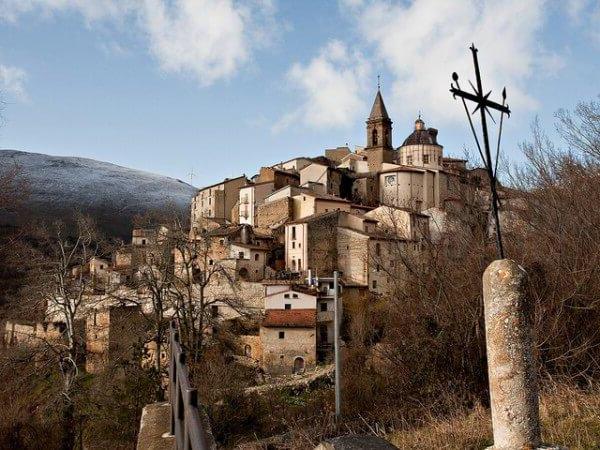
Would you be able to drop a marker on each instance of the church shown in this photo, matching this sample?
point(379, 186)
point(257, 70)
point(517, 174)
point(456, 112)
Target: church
point(415, 175)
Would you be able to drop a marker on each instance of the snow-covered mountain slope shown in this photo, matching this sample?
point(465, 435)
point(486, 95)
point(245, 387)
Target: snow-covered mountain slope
point(60, 185)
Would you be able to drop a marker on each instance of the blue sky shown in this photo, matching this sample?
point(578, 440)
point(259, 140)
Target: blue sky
point(223, 87)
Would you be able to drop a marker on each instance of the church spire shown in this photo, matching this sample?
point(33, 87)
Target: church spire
point(378, 110)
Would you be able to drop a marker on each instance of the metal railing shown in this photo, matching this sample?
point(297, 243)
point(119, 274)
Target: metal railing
point(189, 422)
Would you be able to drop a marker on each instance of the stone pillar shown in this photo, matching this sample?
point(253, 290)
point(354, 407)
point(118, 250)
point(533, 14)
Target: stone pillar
point(511, 368)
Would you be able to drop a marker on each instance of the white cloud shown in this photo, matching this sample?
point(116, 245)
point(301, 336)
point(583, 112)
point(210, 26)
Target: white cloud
point(202, 37)
point(422, 42)
point(12, 82)
point(207, 39)
point(332, 85)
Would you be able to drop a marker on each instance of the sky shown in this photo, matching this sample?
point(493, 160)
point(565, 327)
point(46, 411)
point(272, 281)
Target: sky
point(223, 87)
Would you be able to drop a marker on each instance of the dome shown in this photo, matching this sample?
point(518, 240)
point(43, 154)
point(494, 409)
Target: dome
point(421, 135)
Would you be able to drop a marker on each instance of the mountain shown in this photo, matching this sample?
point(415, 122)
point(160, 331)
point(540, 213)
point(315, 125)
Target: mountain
point(60, 185)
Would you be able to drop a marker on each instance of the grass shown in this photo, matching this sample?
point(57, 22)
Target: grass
point(570, 417)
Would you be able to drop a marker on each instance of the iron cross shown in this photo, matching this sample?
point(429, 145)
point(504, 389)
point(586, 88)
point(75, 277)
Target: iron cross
point(484, 104)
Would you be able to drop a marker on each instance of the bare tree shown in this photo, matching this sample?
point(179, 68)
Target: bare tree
point(60, 284)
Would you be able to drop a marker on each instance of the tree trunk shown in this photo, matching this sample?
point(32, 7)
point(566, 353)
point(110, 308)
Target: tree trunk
point(68, 426)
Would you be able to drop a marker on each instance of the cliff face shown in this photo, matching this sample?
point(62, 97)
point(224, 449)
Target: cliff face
point(58, 186)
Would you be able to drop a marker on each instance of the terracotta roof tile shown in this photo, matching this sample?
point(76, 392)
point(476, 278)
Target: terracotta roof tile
point(293, 318)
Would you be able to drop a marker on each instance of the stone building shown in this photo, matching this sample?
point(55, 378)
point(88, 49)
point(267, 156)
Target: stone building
point(402, 222)
point(294, 164)
point(251, 197)
point(288, 340)
point(113, 334)
point(217, 201)
point(322, 178)
point(279, 177)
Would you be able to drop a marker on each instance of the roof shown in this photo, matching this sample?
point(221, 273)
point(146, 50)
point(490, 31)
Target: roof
point(421, 135)
point(292, 318)
point(314, 217)
point(257, 184)
point(318, 195)
point(403, 208)
point(363, 207)
point(294, 286)
point(448, 159)
point(378, 110)
point(291, 159)
point(379, 235)
point(226, 180)
point(251, 246)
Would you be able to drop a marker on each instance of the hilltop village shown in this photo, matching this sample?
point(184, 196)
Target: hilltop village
point(259, 254)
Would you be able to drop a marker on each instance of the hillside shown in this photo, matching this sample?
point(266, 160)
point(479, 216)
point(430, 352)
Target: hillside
point(113, 194)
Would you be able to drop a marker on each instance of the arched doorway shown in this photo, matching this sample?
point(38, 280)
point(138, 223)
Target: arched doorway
point(248, 350)
point(299, 365)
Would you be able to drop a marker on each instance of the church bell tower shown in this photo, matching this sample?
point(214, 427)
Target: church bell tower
point(379, 148)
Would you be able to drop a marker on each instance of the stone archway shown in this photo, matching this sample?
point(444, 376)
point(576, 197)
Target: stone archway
point(298, 365)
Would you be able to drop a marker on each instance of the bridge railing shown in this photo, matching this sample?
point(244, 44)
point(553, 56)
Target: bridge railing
point(189, 422)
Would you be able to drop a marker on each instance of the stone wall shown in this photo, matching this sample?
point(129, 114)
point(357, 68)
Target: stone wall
point(279, 354)
point(274, 213)
point(252, 347)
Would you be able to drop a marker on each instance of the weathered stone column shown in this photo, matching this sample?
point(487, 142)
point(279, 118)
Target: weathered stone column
point(511, 369)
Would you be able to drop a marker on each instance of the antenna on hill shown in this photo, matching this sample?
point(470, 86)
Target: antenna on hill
point(192, 175)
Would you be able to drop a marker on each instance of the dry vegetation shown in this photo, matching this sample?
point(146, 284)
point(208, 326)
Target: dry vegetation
point(414, 364)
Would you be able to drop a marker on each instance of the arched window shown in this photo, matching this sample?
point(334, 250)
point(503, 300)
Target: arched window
point(377, 249)
point(374, 137)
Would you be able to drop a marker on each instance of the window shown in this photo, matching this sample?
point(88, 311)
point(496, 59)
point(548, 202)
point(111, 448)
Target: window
point(214, 311)
point(293, 232)
point(425, 159)
point(378, 249)
point(377, 268)
point(143, 241)
point(409, 160)
point(299, 264)
point(331, 285)
point(374, 284)
point(282, 336)
point(294, 295)
point(287, 306)
point(222, 241)
point(293, 245)
point(241, 255)
point(256, 256)
point(101, 266)
point(286, 295)
point(210, 262)
point(323, 307)
point(374, 137)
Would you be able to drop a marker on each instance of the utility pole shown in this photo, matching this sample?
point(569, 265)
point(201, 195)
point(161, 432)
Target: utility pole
point(336, 346)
